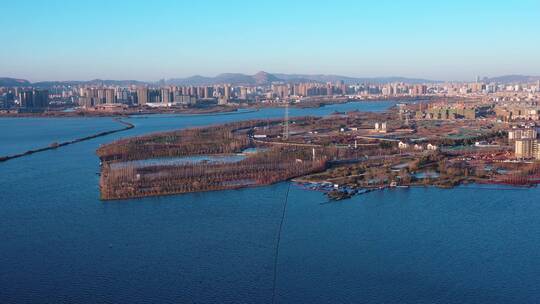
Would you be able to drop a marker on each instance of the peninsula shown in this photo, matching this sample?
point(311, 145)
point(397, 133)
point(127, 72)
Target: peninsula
point(342, 154)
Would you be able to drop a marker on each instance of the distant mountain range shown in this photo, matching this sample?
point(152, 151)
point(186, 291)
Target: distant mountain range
point(95, 82)
point(13, 82)
point(513, 79)
point(261, 78)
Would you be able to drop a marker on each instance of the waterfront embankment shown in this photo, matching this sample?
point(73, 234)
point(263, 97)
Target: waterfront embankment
point(56, 145)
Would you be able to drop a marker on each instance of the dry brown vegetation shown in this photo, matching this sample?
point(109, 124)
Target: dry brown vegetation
point(199, 141)
point(268, 167)
point(275, 164)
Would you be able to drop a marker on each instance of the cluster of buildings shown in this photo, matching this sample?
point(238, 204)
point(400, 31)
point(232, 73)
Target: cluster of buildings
point(28, 100)
point(526, 143)
point(518, 97)
point(310, 89)
point(167, 96)
point(518, 111)
point(89, 97)
point(285, 91)
point(99, 96)
point(484, 88)
point(418, 147)
point(448, 112)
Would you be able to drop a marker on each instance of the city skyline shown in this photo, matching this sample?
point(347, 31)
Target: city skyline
point(451, 41)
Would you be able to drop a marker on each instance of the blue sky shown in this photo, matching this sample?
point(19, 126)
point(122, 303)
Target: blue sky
point(150, 40)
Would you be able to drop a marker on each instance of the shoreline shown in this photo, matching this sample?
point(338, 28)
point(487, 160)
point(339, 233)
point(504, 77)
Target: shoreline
point(344, 193)
point(205, 111)
point(94, 114)
point(469, 186)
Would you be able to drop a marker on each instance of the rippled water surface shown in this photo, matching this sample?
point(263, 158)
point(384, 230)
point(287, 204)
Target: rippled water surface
point(60, 244)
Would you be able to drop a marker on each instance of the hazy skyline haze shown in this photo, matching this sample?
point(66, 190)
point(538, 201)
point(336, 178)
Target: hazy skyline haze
point(442, 40)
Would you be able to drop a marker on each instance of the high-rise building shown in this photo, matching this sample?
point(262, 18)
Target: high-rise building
point(227, 92)
point(3, 101)
point(154, 96)
point(109, 96)
point(83, 92)
point(34, 99)
point(122, 95)
point(524, 148)
point(101, 95)
point(536, 150)
point(208, 92)
point(86, 102)
point(10, 97)
point(41, 98)
point(329, 89)
point(243, 93)
point(343, 88)
point(165, 96)
point(420, 89)
point(142, 96)
point(200, 92)
point(280, 90)
point(26, 99)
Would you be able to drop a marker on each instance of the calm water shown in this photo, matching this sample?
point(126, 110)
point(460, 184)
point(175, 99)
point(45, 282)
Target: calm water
point(60, 244)
point(22, 134)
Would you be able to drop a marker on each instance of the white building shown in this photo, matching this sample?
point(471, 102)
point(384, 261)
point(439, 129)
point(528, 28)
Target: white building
point(403, 145)
point(380, 127)
point(418, 147)
point(432, 147)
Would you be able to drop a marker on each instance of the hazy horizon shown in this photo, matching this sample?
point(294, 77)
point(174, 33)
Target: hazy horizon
point(272, 73)
point(135, 40)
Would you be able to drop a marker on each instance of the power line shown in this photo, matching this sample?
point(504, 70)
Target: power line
point(276, 254)
point(286, 123)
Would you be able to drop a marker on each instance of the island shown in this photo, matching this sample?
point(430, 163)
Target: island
point(342, 154)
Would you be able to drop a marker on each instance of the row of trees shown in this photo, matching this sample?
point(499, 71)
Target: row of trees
point(275, 165)
point(452, 142)
point(196, 141)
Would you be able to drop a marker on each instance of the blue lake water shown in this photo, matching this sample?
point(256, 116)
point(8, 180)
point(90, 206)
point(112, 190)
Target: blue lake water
point(22, 134)
point(60, 244)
